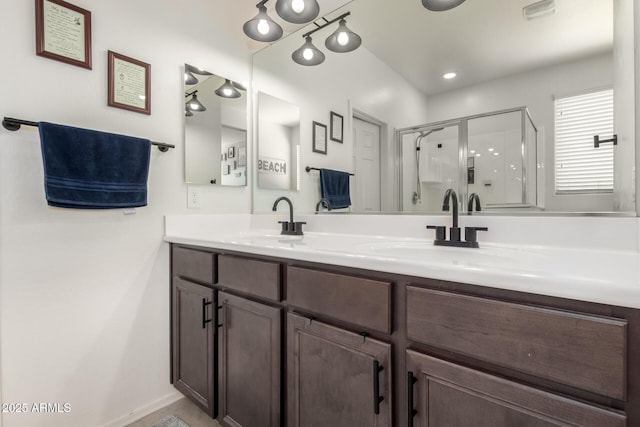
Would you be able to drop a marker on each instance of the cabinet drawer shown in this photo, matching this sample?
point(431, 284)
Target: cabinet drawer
point(363, 302)
point(260, 278)
point(193, 264)
point(445, 394)
point(579, 350)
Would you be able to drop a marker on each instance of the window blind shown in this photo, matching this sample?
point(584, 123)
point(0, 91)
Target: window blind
point(579, 167)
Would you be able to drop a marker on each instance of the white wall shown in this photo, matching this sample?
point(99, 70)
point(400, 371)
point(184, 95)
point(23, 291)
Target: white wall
point(84, 295)
point(345, 83)
point(536, 90)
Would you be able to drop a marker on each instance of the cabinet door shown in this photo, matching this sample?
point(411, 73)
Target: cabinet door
point(336, 378)
point(249, 342)
point(443, 394)
point(193, 342)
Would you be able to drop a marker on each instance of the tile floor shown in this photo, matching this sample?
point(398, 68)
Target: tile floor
point(183, 409)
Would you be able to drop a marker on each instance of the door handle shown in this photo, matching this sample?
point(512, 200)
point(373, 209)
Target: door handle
point(376, 387)
point(411, 413)
point(205, 303)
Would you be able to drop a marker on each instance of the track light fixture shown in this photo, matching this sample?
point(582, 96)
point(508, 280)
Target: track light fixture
point(298, 11)
point(189, 78)
point(189, 74)
point(261, 27)
point(308, 54)
point(441, 5)
point(227, 90)
point(193, 104)
point(342, 40)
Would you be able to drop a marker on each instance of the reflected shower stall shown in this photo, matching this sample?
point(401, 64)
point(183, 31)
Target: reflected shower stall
point(493, 155)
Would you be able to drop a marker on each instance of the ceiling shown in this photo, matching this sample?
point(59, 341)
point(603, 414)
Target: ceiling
point(480, 40)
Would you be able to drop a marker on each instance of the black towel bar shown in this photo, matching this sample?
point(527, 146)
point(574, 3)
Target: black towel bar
point(309, 169)
point(14, 125)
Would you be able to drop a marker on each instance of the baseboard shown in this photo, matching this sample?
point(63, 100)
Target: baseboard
point(138, 413)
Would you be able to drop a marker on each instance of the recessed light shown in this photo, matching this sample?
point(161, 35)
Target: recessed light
point(473, 151)
point(449, 76)
point(496, 154)
point(490, 149)
point(539, 9)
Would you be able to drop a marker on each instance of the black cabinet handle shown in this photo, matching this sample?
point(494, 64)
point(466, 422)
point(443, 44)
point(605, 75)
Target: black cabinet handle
point(411, 380)
point(376, 387)
point(205, 303)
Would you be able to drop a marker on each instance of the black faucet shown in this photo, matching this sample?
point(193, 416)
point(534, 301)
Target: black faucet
point(289, 227)
point(473, 197)
point(454, 231)
point(323, 202)
point(470, 233)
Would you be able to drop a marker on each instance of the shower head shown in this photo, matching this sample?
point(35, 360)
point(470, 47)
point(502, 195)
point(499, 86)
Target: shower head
point(424, 134)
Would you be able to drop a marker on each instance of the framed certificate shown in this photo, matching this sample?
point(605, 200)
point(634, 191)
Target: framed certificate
point(337, 127)
point(319, 138)
point(63, 32)
point(129, 84)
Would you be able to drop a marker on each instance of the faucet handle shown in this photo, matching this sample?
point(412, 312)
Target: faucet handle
point(292, 228)
point(470, 233)
point(440, 231)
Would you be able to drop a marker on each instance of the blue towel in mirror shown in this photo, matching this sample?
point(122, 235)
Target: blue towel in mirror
point(334, 186)
point(88, 169)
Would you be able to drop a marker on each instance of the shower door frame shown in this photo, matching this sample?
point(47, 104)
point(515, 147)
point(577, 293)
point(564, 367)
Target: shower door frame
point(463, 148)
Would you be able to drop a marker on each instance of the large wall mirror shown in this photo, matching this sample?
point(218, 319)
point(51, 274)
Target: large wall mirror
point(215, 129)
point(536, 65)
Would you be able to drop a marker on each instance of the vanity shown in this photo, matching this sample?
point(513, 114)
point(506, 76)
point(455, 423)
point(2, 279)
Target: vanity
point(273, 330)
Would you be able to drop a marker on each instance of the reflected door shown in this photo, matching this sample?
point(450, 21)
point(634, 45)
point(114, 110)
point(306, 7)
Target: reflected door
point(366, 136)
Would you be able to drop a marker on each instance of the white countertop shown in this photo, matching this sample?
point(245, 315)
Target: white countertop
point(603, 276)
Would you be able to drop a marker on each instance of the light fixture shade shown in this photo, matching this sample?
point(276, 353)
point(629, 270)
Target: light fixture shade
point(194, 105)
point(189, 78)
point(195, 70)
point(262, 28)
point(188, 113)
point(239, 86)
point(227, 90)
point(298, 11)
point(343, 39)
point(308, 54)
point(441, 5)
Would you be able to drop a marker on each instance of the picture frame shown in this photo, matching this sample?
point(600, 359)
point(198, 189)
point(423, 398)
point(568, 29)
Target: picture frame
point(319, 138)
point(337, 127)
point(63, 32)
point(242, 156)
point(231, 152)
point(129, 84)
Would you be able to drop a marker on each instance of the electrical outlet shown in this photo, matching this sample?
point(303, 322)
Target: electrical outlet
point(194, 197)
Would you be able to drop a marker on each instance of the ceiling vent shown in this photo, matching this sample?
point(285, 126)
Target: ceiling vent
point(539, 9)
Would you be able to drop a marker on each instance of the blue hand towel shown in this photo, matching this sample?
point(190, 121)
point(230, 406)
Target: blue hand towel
point(334, 186)
point(88, 169)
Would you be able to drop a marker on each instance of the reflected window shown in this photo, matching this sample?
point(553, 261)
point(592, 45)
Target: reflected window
point(579, 166)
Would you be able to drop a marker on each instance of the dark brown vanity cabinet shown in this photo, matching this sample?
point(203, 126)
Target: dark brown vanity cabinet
point(572, 349)
point(336, 378)
point(193, 308)
point(443, 394)
point(249, 362)
point(250, 342)
point(193, 331)
point(301, 344)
